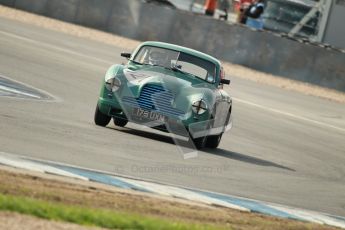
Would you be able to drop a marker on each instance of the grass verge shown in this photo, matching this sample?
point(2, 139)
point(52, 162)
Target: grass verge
point(92, 217)
point(88, 203)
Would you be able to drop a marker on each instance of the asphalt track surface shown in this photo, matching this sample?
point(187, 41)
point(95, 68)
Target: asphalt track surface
point(285, 147)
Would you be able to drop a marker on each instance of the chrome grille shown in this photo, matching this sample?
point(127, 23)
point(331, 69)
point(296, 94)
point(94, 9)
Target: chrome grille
point(154, 98)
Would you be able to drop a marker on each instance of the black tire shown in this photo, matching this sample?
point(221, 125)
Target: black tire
point(213, 141)
point(200, 142)
point(100, 118)
point(120, 122)
point(228, 117)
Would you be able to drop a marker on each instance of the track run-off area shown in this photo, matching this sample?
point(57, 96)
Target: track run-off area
point(284, 147)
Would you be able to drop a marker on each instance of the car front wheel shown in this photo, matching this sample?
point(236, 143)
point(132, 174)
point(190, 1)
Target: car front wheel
point(120, 122)
point(213, 141)
point(100, 118)
point(200, 142)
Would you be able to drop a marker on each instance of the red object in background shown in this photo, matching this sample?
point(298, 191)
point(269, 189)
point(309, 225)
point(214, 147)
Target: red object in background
point(210, 6)
point(240, 4)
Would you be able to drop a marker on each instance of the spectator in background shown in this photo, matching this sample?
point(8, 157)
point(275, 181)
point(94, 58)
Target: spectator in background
point(224, 5)
point(253, 15)
point(240, 6)
point(210, 7)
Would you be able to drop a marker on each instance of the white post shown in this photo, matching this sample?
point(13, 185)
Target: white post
point(326, 5)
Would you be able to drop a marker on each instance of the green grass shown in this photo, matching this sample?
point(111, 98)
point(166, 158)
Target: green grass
point(92, 217)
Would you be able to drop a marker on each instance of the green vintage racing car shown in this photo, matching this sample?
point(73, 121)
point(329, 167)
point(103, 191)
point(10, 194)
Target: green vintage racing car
point(170, 88)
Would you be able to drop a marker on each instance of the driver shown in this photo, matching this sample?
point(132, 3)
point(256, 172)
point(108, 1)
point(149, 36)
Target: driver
point(158, 58)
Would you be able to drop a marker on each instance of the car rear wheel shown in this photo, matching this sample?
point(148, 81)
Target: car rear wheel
point(213, 141)
point(100, 118)
point(120, 122)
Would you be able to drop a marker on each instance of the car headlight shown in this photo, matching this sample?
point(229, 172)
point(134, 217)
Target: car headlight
point(113, 84)
point(199, 107)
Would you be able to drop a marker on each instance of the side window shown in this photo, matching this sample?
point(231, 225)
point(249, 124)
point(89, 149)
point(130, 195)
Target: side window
point(142, 55)
point(197, 66)
point(193, 69)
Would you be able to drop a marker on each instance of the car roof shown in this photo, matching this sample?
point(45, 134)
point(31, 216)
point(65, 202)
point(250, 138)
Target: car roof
point(182, 49)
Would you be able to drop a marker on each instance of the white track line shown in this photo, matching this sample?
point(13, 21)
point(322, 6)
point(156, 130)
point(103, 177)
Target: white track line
point(47, 45)
point(51, 98)
point(166, 190)
point(32, 166)
point(11, 90)
point(290, 115)
point(311, 216)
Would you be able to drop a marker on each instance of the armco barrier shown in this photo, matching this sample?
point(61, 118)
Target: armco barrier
point(263, 51)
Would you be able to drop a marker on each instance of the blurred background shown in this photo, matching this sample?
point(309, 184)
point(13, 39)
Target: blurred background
point(315, 20)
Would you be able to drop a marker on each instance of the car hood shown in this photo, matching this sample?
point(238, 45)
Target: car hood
point(185, 89)
point(172, 81)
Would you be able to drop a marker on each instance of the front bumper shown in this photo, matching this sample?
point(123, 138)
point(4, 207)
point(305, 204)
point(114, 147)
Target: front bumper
point(188, 125)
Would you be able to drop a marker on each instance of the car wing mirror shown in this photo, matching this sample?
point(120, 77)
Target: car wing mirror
point(225, 81)
point(126, 55)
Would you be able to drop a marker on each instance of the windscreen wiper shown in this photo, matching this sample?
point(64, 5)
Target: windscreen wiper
point(139, 63)
point(177, 69)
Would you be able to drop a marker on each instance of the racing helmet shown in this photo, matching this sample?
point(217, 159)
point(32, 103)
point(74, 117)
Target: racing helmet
point(157, 57)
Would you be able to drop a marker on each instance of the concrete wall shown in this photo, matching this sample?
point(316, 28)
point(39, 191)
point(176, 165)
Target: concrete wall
point(259, 50)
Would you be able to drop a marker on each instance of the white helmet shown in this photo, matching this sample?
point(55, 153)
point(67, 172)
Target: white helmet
point(157, 58)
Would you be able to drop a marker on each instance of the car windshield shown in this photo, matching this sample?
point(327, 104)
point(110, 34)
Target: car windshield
point(177, 61)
